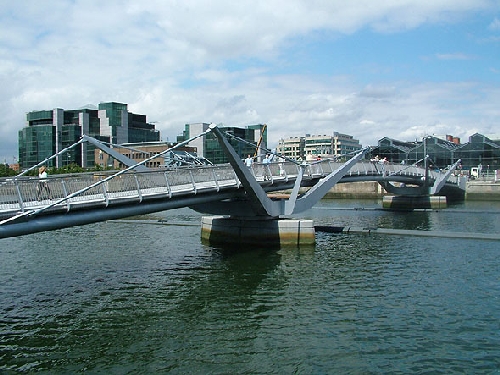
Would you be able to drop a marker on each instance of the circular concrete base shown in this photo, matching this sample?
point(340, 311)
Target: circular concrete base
point(275, 233)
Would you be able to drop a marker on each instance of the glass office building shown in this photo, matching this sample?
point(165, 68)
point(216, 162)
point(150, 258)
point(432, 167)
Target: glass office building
point(254, 141)
point(443, 151)
point(50, 131)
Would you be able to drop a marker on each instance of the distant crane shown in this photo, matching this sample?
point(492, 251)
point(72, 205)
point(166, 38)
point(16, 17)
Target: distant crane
point(260, 140)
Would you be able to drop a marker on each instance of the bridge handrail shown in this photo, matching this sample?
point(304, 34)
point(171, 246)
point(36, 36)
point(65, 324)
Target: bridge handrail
point(21, 193)
point(119, 173)
point(25, 194)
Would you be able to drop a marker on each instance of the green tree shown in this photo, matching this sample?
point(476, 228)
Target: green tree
point(6, 171)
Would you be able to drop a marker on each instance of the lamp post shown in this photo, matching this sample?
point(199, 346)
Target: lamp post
point(426, 175)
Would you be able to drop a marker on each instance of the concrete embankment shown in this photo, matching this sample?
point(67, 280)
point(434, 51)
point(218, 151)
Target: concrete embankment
point(482, 190)
point(357, 190)
point(406, 232)
point(475, 190)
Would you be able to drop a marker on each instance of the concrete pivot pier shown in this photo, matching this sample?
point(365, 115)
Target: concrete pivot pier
point(276, 233)
point(413, 202)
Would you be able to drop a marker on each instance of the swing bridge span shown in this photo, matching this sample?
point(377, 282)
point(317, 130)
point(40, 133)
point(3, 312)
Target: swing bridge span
point(224, 189)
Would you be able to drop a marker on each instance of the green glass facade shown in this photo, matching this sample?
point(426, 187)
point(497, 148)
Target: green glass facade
point(114, 112)
point(49, 131)
point(214, 153)
point(141, 131)
point(36, 144)
point(211, 149)
point(40, 117)
point(71, 134)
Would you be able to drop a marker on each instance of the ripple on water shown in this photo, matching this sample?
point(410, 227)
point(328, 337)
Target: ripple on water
point(157, 300)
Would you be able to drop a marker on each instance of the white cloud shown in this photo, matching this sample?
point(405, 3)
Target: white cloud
point(221, 61)
point(454, 56)
point(495, 25)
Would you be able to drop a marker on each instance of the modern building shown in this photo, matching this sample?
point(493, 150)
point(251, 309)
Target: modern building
point(49, 131)
point(292, 147)
point(442, 151)
point(394, 150)
point(313, 146)
point(254, 141)
point(479, 151)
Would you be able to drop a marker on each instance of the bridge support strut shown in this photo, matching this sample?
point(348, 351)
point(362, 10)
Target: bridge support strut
point(265, 223)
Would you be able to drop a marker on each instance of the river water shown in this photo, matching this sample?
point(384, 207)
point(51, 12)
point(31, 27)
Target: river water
point(145, 296)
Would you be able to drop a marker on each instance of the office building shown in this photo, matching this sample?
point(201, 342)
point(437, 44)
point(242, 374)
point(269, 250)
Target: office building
point(254, 137)
point(292, 147)
point(442, 151)
point(49, 131)
point(311, 147)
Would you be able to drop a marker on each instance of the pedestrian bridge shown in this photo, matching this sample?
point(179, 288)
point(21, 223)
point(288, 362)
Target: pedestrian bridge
point(232, 189)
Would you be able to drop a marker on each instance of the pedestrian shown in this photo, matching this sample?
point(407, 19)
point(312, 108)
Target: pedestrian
point(42, 183)
point(249, 161)
point(266, 162)
point(383, 163)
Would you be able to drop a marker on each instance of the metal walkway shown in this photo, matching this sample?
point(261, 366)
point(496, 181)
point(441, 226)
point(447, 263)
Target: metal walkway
point(136, 193)
point(67, 200)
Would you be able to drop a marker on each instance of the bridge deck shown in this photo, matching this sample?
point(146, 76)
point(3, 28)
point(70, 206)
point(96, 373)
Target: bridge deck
point(93, 190)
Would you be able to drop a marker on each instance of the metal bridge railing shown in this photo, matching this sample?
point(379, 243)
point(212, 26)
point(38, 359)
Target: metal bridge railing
point(364, 168)
point(26, 193)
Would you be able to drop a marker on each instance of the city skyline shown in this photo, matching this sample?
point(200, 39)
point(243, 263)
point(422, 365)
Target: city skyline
point(402, 69)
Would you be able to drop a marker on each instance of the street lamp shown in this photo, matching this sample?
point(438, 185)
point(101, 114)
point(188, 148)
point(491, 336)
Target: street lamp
point(426, 182)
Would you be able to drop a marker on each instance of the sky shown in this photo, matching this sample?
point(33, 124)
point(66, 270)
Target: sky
point(397, 68)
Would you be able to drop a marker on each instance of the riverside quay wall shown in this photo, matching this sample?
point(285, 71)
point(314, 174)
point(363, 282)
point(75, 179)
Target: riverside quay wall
point(357, 190)
point(475, 190)
point(483, 190)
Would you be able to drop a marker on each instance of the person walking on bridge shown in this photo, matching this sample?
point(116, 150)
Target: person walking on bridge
point(42, 183)
point(249, 161)
point(265, 164)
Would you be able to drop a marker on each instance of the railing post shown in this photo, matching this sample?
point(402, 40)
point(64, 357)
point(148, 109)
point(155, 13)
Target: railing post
point(20, 197)
point(238, 182)
point(192, 181)
point(215, 179)
point(169, 190)
point(268, 170)
point(139, 193)
point(65, 192)
point(105, 194)
point(282, 166)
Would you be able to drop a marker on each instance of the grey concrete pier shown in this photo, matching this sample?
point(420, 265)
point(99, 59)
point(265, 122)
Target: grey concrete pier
point(414, 202)
point(271, 233)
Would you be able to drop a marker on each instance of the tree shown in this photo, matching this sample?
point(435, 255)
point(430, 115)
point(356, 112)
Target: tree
point(6, 171)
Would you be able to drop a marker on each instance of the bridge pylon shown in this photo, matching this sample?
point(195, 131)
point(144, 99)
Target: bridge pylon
point(262, 220)
point(424, 196)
